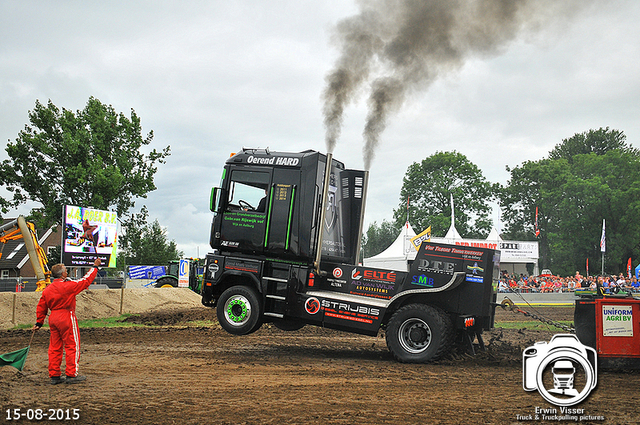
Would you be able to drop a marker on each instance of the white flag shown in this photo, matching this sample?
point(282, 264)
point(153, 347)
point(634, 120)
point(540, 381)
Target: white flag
point(602, 239)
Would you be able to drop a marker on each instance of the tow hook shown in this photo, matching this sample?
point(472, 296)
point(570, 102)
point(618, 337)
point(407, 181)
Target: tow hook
point(506, 304)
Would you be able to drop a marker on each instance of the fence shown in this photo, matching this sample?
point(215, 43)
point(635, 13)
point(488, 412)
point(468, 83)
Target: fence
point(9, 285)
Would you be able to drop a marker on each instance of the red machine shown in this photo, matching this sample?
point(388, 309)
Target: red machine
point(611, 325)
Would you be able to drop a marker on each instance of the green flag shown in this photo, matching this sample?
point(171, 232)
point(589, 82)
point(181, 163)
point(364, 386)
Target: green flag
point(15, 358)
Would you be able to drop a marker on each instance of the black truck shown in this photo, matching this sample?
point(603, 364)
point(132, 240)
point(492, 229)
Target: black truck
point(286, 238)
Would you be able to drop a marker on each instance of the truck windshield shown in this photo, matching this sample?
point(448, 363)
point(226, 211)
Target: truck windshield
point(248, 190)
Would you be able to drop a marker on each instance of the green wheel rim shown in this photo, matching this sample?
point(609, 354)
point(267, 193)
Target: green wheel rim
point(237, 310)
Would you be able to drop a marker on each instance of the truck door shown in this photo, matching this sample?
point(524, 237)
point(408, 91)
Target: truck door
point(282, 219)
point(243, 221)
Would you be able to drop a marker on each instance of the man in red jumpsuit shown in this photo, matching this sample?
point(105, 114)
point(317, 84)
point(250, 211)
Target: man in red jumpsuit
point(60, 298)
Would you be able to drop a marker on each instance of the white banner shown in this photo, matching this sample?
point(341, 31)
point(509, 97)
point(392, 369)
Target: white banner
point(617, 320)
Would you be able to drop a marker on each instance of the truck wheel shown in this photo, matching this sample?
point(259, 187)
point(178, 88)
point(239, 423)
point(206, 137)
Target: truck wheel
point(238, 310)
point(419, 333)
point(167, 282)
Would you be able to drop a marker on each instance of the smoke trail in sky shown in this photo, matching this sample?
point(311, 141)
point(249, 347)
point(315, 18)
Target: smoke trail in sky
point(400, 46)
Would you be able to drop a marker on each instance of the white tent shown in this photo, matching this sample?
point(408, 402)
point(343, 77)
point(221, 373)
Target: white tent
point(494, 235)
point(398, 255)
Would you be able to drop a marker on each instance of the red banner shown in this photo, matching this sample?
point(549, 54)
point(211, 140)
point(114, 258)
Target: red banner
point(587, 267)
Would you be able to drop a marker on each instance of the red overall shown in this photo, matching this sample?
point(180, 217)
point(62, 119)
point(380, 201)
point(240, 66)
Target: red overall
point(60, 298)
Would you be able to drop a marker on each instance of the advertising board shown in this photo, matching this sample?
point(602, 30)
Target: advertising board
point(183, 274)
point(147, 272)
point(89, 234)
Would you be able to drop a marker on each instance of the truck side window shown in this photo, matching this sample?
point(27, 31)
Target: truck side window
point(248, 191)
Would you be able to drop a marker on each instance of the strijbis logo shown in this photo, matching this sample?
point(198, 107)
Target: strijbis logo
point(337, 272)
point(354, 308)
point(312, 305)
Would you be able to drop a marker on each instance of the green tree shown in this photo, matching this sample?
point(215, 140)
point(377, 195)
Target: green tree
point(429, 185)
point(93, 157)
point(606, 187)
point(54, 256)
point(535, 184)
point(145, 244)
point(378, 238)
point(574, 192)
point(598, 141)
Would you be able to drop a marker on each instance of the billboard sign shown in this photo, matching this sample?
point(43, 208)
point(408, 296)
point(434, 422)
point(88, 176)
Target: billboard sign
point(183, 274)
point(89, 234)
point(147, 272)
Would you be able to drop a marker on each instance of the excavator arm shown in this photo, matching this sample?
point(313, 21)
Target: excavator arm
point(21, 229)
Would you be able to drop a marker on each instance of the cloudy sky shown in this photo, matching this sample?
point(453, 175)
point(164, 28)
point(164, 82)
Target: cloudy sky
point(209, 77)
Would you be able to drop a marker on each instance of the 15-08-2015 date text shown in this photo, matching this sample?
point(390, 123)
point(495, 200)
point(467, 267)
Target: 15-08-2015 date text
point(42, 414)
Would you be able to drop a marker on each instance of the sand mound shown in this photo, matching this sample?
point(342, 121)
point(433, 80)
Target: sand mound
point(99, 303)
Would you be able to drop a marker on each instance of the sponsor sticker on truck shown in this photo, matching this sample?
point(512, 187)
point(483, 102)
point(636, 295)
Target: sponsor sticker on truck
point(617, 320)
point(374, 283)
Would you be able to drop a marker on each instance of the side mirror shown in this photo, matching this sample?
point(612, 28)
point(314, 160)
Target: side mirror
point(214, 201)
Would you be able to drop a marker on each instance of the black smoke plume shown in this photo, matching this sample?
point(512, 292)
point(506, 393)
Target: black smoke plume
point(400, 46)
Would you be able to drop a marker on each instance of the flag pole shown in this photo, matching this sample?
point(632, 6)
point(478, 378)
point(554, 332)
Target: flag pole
point(408, 197)
point(33, 332)
point(603, 244)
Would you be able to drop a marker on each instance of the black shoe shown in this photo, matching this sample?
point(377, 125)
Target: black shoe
point(75, 379)
point(56, 380)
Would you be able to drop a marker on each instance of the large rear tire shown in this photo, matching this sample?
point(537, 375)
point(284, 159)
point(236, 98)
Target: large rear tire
point(419, 333)
point(167, 282)
point(239, 311)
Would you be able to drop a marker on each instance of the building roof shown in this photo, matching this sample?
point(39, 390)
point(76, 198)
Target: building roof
point(14, 253)
point(11, 251)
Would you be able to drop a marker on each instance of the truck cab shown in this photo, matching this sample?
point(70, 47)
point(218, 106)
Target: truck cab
point(268, 204)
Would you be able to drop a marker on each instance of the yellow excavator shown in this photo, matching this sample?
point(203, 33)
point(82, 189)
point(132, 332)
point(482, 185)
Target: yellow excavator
point(22, 229)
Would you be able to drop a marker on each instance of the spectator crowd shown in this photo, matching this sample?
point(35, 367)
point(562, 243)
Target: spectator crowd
point(522, 283)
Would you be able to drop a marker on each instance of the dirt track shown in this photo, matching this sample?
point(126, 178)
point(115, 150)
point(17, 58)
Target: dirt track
point(179, 374)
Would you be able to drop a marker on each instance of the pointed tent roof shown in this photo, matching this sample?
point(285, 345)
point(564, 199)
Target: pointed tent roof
point(401, 247)
point(395, 257)
point(494, 235)
point(452, 233)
